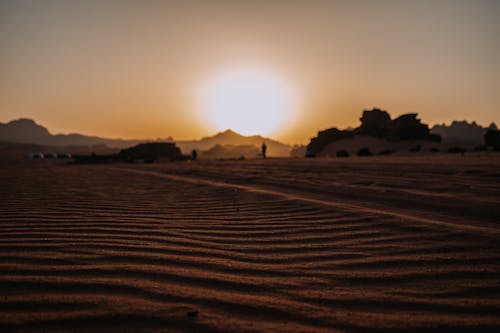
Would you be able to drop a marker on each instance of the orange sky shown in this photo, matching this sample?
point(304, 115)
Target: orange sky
point(132, 69)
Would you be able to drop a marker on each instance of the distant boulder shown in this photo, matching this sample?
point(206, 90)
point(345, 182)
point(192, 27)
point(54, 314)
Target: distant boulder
point(151, 152)
point(364, 152)
point(324, 138)
point(377, 123)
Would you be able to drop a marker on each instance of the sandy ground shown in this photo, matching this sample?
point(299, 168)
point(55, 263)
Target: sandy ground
point(360, 244)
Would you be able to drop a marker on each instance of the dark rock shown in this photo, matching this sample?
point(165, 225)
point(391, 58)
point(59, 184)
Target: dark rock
point(364, 152)
point(325, 137)
point(377, 123)
point(151, 152)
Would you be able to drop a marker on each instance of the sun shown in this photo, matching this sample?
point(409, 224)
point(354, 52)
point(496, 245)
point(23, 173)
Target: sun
point(246, 101)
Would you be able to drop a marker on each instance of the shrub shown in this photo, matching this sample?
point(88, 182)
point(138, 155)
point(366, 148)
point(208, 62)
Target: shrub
point(364, 152)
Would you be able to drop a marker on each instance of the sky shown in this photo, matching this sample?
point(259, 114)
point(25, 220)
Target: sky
point(135, 69)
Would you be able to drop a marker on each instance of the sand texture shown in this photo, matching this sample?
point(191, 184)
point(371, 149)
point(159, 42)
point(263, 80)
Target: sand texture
point(292, 245)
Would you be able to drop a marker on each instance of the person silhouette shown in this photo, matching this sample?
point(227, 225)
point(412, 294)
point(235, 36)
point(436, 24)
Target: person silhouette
point(264, 148)
point(194, 155)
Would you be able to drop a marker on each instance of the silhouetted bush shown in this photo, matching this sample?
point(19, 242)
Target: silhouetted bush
point(342, 153)
point(364, 152)
point(416, 148)
point(481, 148)
point(456, 150)
point(387, 152)
point(433, 150)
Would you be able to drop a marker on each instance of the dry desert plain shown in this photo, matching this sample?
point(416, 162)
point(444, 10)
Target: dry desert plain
point(312, 245)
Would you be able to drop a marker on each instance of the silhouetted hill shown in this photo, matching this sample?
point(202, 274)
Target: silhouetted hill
point(462, 132)
point(231, 151)
point(229, 137)
point(28, 131)
point(25, 148)
point(376, 123)
point(298, 151)
point(24, 131)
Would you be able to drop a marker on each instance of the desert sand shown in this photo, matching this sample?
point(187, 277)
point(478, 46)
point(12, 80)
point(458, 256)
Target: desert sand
point(409, 243)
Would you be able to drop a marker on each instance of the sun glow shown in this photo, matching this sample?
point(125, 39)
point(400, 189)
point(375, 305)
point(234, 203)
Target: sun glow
point(246, 101)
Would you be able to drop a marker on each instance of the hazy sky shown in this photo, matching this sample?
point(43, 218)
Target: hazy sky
point(134, 69)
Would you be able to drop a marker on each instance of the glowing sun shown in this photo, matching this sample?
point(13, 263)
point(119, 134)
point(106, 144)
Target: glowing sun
point(246, 101)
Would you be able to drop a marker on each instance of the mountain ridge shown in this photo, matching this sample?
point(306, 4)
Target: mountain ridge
point(28, 131)
point(463, 132)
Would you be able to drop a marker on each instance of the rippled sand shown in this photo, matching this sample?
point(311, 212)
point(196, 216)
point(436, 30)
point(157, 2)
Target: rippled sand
point(389, 244)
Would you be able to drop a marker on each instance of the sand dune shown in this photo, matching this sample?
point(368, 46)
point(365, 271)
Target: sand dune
point(408, 244)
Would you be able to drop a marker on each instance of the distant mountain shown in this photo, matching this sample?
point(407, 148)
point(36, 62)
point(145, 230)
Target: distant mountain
point(28, 131)
point(462, 132)
point(229, 137)
point(24, 131)
point(231, 151)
